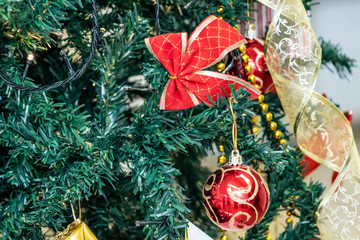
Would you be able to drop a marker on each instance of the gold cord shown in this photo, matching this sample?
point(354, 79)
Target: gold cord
point(249, 13)
point(73, 211)
point(234, 128)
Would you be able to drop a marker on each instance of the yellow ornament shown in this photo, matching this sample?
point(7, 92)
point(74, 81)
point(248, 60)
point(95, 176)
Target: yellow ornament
point(242, 48)
point(289, 220)
point(247, 68)
point(261, 98)
point(220, 17)
point(268, 116)
point(221, 67)
point(220, 8)
point(268, 238)
point(236, 27)
point(257, 86)
point(264, 107)
point(221, 147)
point(77, 230)
point(221, 159)
point(255, 129)
point(252, 78)
point(245, 58)
point(224, 237)
point(272, 125)
point(277, 134)
point(283, 142)
point(255, 119)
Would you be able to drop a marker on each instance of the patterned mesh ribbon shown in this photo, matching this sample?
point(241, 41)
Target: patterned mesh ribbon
point(185, 58)
point(293, 56)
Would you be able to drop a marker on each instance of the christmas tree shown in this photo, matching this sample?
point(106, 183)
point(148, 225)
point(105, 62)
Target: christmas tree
point(85, 132)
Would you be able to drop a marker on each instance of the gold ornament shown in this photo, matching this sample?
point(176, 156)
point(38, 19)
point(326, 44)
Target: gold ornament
point(242, 48)
point(277, 134)
point(236, 26)
point(220, 17)
point(255, 119)
point(220, 8)
point(264, 107)
point(272, 125)
point(261, 98)
point(268, 116)
point(77, 230)
point(289, 220)
point(221, 67)
point(257, 86)
point(245, 58)
point(255, 129)
point(289, 213)
point(252, 78)
point(247, 68)
point(221, 159)
point(268, 238)
point(221, 147)
point(283, 142)
point(224, 237)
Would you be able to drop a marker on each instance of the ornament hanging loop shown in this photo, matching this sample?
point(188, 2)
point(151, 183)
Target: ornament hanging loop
point(235, 158)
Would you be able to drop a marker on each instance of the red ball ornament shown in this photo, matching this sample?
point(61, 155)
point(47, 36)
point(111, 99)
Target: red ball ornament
point(236, 197)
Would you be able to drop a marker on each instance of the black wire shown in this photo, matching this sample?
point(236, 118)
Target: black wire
point(75, 76)
point(157, 9)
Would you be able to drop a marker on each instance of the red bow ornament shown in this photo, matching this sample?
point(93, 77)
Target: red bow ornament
point(185, 58)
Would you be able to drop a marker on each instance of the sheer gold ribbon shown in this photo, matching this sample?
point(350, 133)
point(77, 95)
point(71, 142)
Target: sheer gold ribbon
point(293, 56)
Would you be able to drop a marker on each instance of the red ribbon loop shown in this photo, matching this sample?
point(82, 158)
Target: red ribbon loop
point(185, 58)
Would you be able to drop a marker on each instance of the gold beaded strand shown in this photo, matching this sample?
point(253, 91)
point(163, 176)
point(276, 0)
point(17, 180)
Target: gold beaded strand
point(263, 106)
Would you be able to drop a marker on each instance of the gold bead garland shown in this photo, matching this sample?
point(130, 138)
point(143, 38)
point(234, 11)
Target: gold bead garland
point(223, 236)
point(220, 66)
point(220, 8)
point(251, 78)
point(290, 213)
point(222, 158)
point(263, 106)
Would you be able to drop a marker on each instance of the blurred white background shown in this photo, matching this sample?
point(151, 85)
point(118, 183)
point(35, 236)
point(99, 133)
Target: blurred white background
point(339, 21)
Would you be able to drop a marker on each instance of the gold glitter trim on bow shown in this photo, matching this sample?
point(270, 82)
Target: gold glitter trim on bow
point(293, 56)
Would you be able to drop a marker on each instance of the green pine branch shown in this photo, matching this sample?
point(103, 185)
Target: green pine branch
point(334, 58)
